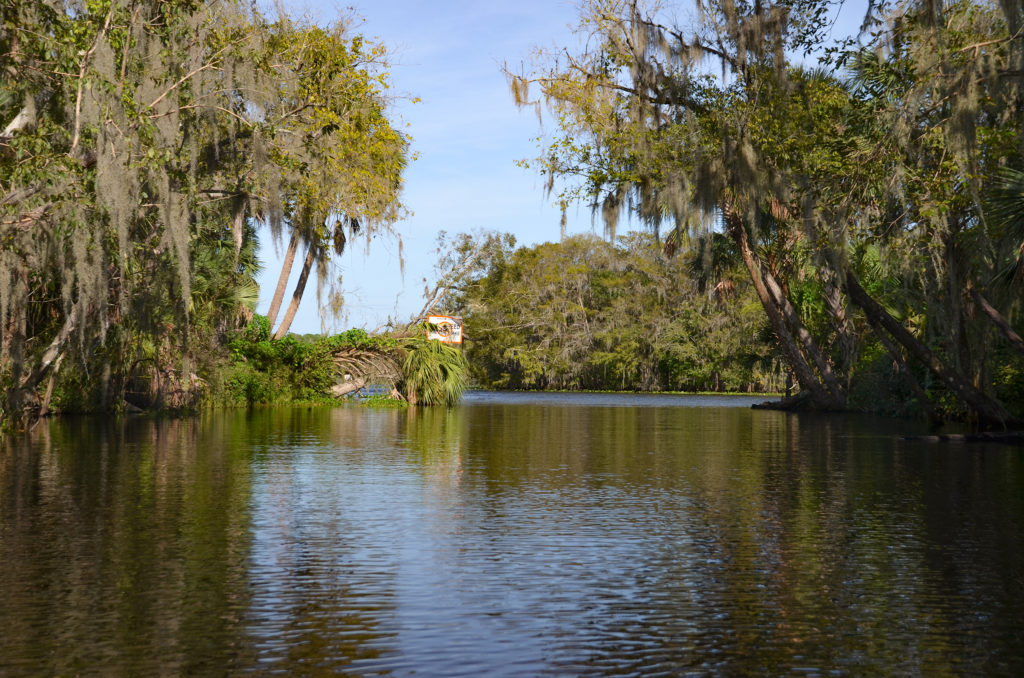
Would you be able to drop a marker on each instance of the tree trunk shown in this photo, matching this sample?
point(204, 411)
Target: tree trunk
point(793, 318)
point(988, 410)
point(997, 318)
point(904, 369)
point(804, 373)
point(20, 394)
point(835, 300)
point(53, 351)
point(238, 207)
point(959, 349)
point(282, 280)
point(343, 389)
point(300, 287)
point(45, 408)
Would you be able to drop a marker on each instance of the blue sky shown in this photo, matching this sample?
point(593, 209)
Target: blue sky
point(467, 133)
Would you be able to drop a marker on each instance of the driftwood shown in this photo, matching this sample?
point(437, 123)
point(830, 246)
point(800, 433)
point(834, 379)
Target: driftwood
point(350, 386)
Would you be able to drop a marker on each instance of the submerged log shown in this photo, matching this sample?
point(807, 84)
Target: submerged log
point(1000, 437)
point(800, 402)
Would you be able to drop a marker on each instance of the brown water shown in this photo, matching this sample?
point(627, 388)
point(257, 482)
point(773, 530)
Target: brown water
point(514, 535)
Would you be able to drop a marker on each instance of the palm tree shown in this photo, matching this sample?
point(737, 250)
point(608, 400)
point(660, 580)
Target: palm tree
point(433, 373)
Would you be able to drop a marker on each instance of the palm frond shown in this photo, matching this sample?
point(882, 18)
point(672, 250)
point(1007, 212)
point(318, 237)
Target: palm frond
point(434, 373)
point(247, 294)
point(1006, 214)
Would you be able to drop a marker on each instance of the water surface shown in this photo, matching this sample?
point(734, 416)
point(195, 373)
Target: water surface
point(517, 534)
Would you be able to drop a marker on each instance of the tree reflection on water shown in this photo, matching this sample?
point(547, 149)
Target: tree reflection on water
point(510, 535)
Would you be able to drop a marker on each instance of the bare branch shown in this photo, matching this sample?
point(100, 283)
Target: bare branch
point(25, 219)
point(25, 117)
point(184, 79)
point(19, 194)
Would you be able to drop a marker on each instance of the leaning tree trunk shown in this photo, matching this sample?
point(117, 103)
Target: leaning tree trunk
point(21, 391)
point(908, 377)
point(997, 319)
point(44, 409)
point(806, 340)
point(988, 410)
point(282, 280)
point(820, 397)
point(300, 288)
point(835, 302)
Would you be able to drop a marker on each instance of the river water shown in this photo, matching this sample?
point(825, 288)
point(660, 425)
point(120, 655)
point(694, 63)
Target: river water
point(516, 534)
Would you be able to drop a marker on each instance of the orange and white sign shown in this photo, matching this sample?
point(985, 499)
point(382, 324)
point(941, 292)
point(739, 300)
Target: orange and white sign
point(445, 328)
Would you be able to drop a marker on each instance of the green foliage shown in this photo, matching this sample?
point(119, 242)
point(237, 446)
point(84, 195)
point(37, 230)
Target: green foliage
point(434, 373)
point(719, 349)
point(257, 330)
point(287, 370)
point(305, 369)
point(1008, 382)
point(906, 148)
point(245, 384)
point(877, 386)
point(142, 142)
point(588, 314)
point(383, 401)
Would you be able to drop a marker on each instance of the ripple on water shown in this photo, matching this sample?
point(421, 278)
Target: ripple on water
point(509, 538)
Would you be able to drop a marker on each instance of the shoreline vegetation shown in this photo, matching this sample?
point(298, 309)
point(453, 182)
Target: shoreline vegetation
point(870, 192)
point(403, 366)
point(854, 230)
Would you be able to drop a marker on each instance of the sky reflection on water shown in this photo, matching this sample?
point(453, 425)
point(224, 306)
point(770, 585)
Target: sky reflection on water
point(509, 536)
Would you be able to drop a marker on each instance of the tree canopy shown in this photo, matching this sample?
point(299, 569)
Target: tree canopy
point(857, 192)
point(140, 143)
point(585, 313)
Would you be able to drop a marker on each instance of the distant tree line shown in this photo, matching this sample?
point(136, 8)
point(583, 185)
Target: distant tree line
point(586, 313)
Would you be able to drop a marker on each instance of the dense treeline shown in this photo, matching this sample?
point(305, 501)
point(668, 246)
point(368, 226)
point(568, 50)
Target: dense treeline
point(859, 224)
point(586, 313)
point(141, 144)
point(876, 201)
